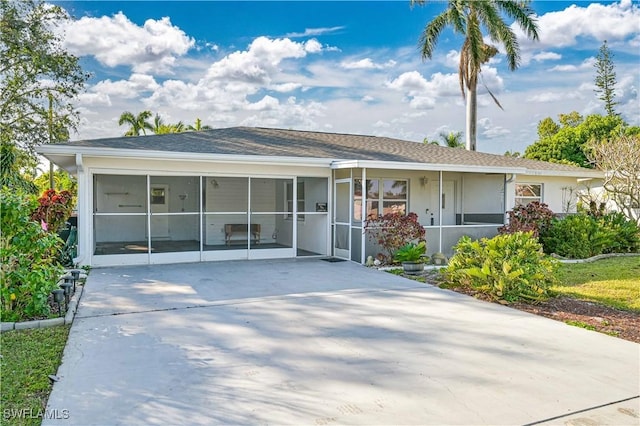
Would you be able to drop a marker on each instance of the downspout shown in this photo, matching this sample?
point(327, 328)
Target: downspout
point(363, 214)
point(82, 214)
point(440, 212)
point(504, 196)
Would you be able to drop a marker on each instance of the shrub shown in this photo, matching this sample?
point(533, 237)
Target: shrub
point(584, 235)
point(535, 217)
point(54, 208)
point(625, 233)
point(392, 231)
point(508, 267)
point(28, 254)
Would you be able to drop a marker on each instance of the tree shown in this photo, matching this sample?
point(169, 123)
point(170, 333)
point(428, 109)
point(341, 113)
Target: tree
point(619, 157)
point(159, 127)
point(469, 17)
point(198, 126)
point(567, 144)
point(138, 123)
point(514, 154)
point(452, 139)
point(35, 68)
point(606, 78)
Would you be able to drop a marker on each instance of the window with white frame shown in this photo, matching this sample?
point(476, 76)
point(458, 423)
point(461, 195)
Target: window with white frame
point(300, 202)
point(528, 192)
point(382, 196)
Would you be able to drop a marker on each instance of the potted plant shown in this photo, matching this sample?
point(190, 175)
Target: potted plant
point(411, 257)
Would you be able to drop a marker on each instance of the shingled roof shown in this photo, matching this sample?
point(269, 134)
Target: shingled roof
point(249, 141)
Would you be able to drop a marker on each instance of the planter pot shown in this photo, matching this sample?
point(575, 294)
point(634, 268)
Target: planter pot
point(413, 268)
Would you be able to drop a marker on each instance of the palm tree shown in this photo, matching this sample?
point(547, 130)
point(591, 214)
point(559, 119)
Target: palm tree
point(198, 126)
point(160, 128)
point(469, 17)
point(138, 122)
point(452, 139)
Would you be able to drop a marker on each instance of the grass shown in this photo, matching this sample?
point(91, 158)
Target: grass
point(613, 282)
point(28, 358)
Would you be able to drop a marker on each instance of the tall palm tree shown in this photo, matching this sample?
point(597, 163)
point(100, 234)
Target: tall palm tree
point(138, 122)
point(198, 126)
point(469, 18)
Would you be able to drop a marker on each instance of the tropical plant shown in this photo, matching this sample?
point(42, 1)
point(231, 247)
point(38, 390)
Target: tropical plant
point(508, 267)
point(410, 252)
point(469, 17)
point(197, 126)
point(35, 73)
point(138, 123)
point(535, 217)
point(452, 139)
point(392, 231)
point(29, 268)
point(577, 236)
point(159, 127)
point(54, 208)
point(606, 78)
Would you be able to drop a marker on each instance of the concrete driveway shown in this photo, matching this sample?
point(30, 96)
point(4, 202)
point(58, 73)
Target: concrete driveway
point(318, 343)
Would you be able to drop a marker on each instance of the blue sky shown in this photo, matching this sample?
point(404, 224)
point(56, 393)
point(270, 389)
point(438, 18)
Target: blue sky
point(346, 67)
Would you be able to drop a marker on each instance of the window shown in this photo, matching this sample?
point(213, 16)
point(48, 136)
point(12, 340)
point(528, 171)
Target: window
point(528, 192)
point(383, 196)
point(300, 204)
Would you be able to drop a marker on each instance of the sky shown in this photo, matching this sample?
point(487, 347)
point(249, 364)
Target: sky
point(338, 66)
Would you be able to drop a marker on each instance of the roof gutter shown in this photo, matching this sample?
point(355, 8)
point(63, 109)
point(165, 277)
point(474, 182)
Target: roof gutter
point(184, 156)
point(347, 164)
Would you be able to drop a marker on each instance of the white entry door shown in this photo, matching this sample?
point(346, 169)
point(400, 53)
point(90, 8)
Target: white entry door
point(446, 201)
point(159, 201)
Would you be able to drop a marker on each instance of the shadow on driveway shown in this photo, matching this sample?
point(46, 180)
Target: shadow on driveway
point(311, 342)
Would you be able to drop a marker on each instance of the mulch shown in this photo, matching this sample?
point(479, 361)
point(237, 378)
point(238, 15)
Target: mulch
point(615, 322)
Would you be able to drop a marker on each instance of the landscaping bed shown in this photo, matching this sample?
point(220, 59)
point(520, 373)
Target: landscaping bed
point(624, 324)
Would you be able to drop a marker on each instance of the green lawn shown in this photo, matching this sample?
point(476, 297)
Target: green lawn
point(613, 282)
point(28, 358)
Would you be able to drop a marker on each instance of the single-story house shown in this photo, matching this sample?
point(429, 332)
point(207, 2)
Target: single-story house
point(256, 193)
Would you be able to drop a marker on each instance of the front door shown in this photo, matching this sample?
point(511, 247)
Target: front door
point(159, 200)
point(342, 218)
point(446, 201)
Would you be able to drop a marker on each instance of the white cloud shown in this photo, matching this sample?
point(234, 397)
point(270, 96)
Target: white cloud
point(546, 97)
point(308, 32)
point(586, 64)
point(411, 82)
point(128, 89)
point(265, 104)
point(488, 130)
point(546, 56)
point(117, 41)
point(257, 64)
point(366, 63)
point(612, 22)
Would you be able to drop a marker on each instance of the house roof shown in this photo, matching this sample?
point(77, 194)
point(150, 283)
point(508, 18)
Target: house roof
point(338, 150)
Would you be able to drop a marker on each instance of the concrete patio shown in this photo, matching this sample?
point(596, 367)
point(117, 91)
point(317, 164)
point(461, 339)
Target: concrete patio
point(313, 342)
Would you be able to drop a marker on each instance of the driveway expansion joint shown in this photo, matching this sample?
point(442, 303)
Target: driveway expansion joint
point(573, 413)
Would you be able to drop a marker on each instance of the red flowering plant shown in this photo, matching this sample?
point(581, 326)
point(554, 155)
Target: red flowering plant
point(393, 231)
point(54, 208)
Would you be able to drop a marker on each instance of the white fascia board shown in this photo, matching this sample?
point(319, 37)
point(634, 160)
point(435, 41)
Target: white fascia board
point(348, 164)
point(586, 173)
point(183, 156)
